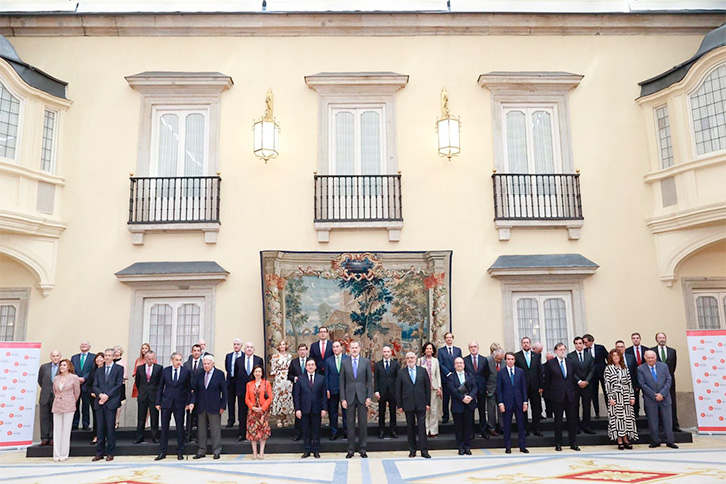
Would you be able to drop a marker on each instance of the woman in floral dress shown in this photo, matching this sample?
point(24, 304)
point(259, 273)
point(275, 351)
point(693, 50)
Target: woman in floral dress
point(621, 398)
point(282, 406)
point(258, 399)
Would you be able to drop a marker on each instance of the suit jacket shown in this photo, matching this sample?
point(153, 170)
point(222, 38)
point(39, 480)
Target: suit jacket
point(457, 398)
point(228, 364)
point(204, 353)
point(511, 394)
point(650, 386)
point(320, 359)
point(240, 373)
point(556, 387)
point(65, 398)
point(45, 381)
point(671, 359)
point(632, 362)
point(481, 375)
point(384, 381)
point(584, 371)
point(435, 378)
point(412, 396)
point(492, 380)
point(148, 389)
point(174, 395)
point(360, 387)
point(188, 365)
point(332, 375)
point(307, 399)
point(600, 360)
point(533, 373)
point(111, 386)
point(295, 370)
point(213, 398)
point(446, 362)
point(85, 371)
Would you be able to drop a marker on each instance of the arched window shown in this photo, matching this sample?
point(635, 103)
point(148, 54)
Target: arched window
point(708, 110)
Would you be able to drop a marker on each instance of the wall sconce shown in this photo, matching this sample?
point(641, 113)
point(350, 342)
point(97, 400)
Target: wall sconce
point(448, 128)
point(267, 133)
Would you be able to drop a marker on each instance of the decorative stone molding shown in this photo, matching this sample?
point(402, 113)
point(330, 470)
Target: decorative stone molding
point(38, 254)
point(324, 228)
point(673, 247)
point(505, 226)
point(138, 232)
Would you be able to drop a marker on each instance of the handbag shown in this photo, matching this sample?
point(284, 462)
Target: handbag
point(463, 389)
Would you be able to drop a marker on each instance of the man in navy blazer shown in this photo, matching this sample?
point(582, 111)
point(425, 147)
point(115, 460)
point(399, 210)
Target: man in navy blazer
point(148, 377)
point(478, 366)
point(332, 383)
point(446, 355)
point(599, 356)
point(322, 350)
point(172, 398)
point(83, 364)
point(560, 387)
point(243, 372)
point(512, 399)
point(230, 362)
point(636, 357)
point(210, 400)
point(413, 395)
point(295, 371)
point(585, 378)
point(311, 404)
point(463, 389)
point(107, 387)
point(655, 381)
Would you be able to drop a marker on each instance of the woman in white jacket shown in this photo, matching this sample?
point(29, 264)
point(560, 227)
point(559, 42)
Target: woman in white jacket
point(431, 364)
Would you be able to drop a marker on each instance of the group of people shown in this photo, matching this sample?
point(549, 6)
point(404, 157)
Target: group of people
point(321, 380)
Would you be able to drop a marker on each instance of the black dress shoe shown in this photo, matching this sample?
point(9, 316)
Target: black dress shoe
point(363, 454)
point(467, 452)
point(412, 454)
point(305, 455)
point(461, 451)
point(492, 432)
point(160, 457)
point(677, 429)
point(86, 427)
point(527, 433)
point(333, 436)
point(349, 455)
point(180, 456)
point(239, 438)
point(394, 435)
point(316, 455)
point(43, 443)
point(508, 450)
point(575, 447)
point(589, 431)
point(653, 446)
point(229, 425)
point(445, 420)
point(672, 446)
point(558, 447)
point(425, 454)
point(199, 456)
point(380, 434)
point(296, 438)
point(537, 433)
point(524, 450)
point(216, 456)
point(139, 441)
point(155, 440)
point(93, 442)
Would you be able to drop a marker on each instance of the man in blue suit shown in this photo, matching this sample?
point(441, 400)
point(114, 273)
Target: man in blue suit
point(413, 396)
point(560, 386)
point(463, 389)
point(512, 396)
point(478, 366)
point(322, 350)
point(332, 383)
point(107, 387)
point(311, 404)
point(655, 381)
point(172, 398)
point(83, 363)
point(210, 399)
point(447, 354)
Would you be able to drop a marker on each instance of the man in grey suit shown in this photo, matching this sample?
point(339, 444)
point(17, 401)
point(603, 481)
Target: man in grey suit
point(655, 382)
point(46, 373)
point(493, 416)
point(356, 392)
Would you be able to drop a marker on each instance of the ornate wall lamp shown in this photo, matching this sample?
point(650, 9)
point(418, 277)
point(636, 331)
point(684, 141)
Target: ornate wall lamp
point(267, 133)
point(448, 128)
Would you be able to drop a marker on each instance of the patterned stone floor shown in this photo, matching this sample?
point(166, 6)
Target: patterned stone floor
point(702, 462)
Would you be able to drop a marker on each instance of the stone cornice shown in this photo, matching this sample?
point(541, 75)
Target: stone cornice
point(529, 81)
point(355, 24)
point(209, 83)
point(714, 212)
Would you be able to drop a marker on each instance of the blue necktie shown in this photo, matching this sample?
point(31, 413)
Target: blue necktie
point(526, 355)
point(355, 367)
point(176, 375)
point(511, 374)
point(413, 375)
point(108, 370)
point(652, 370)
point(562, 365)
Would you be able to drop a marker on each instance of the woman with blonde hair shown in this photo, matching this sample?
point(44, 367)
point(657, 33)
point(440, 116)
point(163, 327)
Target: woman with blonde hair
point(67, 389)
point(282, 405)
point(431, 364)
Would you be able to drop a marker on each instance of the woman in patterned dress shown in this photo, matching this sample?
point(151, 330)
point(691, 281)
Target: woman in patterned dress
point(431, 364)
point(282, 406)
point(621, 398)
point(258, 399)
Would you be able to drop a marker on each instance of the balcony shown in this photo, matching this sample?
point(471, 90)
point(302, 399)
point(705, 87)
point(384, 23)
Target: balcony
point(358, 201)
point(523, 200)
point(162, 204)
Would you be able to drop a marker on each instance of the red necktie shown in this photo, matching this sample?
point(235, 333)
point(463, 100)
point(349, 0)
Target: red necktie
point(475, 359)
point(322, 350)
point(497, 366)
point(637, 352)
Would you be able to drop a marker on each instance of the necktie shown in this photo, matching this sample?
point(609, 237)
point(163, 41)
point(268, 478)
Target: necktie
point(248, 366)
point(148, 373)
point(451, 352)
point(462, 378)
point(637, 354)
point(475, 360)
point(386, 365)
point(234, 362)
point(412, 374)
point(652, 370)
point(511, 375)
point(54, 371)
point(311, 379)
point(562, 366)
point(206, 379)
point(497, 366)
point(355, 367)
point(580, 354)
point(176, 374)
point(195, 365)
point(322, 349)
point(527, 357)
point(337, 363)
point(108, 370)
point(662, 354)
point(83, 360)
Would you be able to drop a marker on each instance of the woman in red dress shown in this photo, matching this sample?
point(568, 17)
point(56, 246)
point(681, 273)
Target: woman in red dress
point(258, 399)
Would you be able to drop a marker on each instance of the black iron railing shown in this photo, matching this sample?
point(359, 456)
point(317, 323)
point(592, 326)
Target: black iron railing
point(184, 199)
point(357, 198)
point(537, 197)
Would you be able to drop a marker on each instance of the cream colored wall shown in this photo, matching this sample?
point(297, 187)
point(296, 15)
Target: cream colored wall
point(447, 205)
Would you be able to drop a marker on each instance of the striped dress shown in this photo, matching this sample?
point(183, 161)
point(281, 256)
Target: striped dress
point(618, 387)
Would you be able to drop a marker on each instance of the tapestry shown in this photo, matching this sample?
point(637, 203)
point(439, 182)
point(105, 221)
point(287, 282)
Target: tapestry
point(395, 299)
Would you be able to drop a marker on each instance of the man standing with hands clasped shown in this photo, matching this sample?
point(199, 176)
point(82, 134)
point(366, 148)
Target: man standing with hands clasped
point(356, 391)
point(210, 400)
point(559, 387)
point(172, 398)
point(107, 386)
point(413, 395)
point(311, 404)
point(384, 386)
point(512, 396)
point(655, 381)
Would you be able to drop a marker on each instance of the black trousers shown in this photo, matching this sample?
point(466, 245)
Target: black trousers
point(597, 383)
point(333, 404)
point(673, 402)
point(518, 412)
point(231, 400)
point(83, 405)
point(447, 400)
point(310, 423)
point(46, 419)
point(416, 424)
point(569, 408)
point(463, 427)
point(147, 405)
point(584, 396)
point(106, 418)
point(535, 403)
point(389, 399)
point(166, 414)
point(481, 407)
point(242, 411)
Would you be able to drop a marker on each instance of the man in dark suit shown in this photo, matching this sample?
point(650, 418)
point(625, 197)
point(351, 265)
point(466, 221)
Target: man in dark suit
point(356, 392)
point(148, 377)
point(512, 397)
point(413, 394)
point(230, 361)
point(172, 398)
point(462, 386)
point(243, 372)
point(668, 356)
point(322, 350)
point(46, 373)
point(332, 384)
point(531, 363)
point(294, 372)
point(210, 400)
point(311, 404)
point(655, 381)
point(202, 351)
point(82, 364)
point(636, 357)
point(446, 355)
point(195, 365)
point(495, 361)
point(584, 376)
point(599, 356)
point(107, 386)
point(384, 389)
point(478, 366)
point(559, 386)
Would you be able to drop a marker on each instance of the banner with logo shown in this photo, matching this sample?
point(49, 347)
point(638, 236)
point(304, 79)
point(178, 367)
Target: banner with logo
point(19, 363)
point(707, 349)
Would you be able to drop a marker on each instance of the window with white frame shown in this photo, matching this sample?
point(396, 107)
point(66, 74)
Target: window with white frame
point(47, 153)
point(708, 111)
point(358, 146)
point(710, 309)
point(531, 140)
point(9, 122)
point(664, 136)
point(8, 312)
point(172, 324)
point(544, 317)
point(180, 141)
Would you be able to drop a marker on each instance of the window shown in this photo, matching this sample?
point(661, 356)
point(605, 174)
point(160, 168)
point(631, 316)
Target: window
point(7, 321)
point(545, 317)
point(358, 146)
point(180, 146)
point(47, 148)
point(14, 304)
point(9, 121)
point(530, 141)
point(172, 325)
point(664, 136)
point(710, 309)
point(708, 109)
